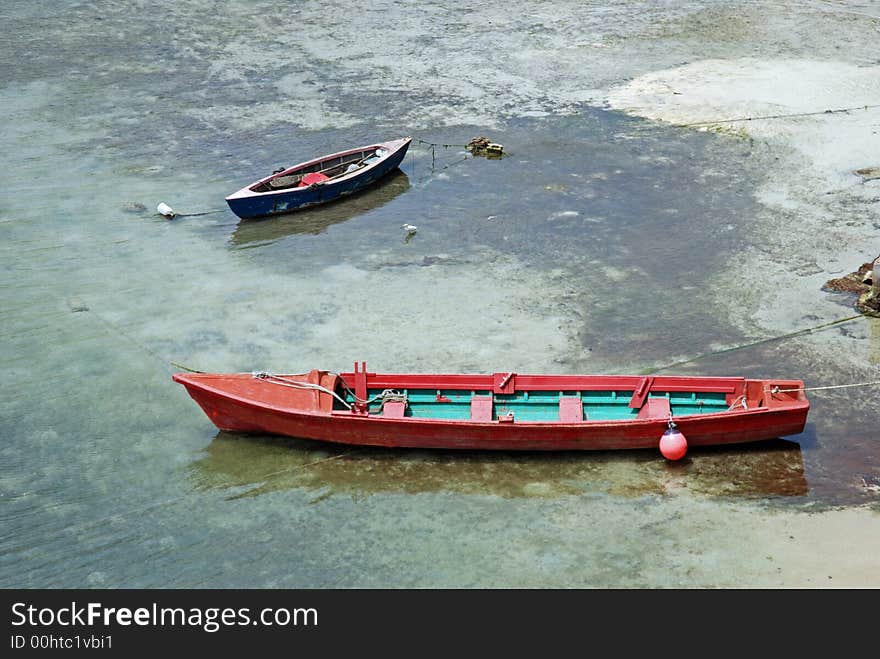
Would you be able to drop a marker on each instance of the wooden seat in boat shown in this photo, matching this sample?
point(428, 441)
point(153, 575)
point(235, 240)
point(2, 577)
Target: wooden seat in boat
point(481, 408)
point(283, 181)
point(655, 408)
point(394, 408)
point(571, 409)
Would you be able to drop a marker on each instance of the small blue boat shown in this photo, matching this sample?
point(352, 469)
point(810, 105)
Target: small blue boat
point(318, 181)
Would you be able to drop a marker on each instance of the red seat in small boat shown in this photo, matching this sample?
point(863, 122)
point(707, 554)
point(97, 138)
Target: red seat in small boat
point(311, 178)
point(394, 408)
point(571, 409)
point(655, 408)
point(481, 408)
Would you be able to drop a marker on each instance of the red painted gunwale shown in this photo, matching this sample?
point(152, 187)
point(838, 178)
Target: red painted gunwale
point(242, 403)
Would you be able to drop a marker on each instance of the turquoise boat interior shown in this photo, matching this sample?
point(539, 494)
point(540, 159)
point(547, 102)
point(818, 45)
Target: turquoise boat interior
point(537, 406)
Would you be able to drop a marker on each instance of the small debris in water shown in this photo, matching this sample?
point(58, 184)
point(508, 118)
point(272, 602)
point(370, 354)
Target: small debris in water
point(868, 173)
point(133, 207)
point(77, 304)
point(483, 146)
point(410, 231)
point(871, 484)
point(428, 261)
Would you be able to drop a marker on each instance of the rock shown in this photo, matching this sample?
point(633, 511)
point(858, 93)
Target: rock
point(868, 173)
point(77, 304)
point(483, 146)
point(865, 283)
point(133, 207)
point(851, 283)
point(869, 304)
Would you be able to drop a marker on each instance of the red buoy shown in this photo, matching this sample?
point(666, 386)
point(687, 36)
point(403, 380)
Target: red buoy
point(673, 444)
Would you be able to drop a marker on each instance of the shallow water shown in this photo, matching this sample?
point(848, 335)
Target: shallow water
point(593, 246)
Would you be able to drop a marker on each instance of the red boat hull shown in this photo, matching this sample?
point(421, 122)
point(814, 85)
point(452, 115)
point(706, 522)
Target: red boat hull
point(243, 403)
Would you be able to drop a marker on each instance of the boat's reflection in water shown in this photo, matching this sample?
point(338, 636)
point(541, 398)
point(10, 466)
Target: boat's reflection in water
point(250, 465)
point(317, 219)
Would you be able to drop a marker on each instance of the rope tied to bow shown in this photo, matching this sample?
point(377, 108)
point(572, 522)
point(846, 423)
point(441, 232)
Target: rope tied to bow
point(386, 396)
point(777, 390)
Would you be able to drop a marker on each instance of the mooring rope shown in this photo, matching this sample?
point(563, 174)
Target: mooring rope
point(436, 144)
point(211, 212)
point(277, 379)
point(308, 464)
point(737, 402)
point(118, 330)
point(433, 148)
point(386, 396)
point(185, 368)
point(779, 116)
point(777, 390)
point(166, 211)
point(434, 171)
point(808, 330)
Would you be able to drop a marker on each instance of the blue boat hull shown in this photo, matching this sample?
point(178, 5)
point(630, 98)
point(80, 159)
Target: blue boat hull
point(288, 201)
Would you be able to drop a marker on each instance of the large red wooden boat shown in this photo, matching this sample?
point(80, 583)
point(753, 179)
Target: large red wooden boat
point(501, 410)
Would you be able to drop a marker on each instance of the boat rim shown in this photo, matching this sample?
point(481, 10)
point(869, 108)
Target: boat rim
point(187, 379)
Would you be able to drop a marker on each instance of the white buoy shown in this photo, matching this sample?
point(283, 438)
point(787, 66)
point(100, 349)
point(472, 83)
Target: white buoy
point(165, 209)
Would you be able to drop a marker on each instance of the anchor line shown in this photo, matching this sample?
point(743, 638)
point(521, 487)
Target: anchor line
point(211, 212)
point(790, 335)
point(433, 146)
point(115, 329)
point(276, 379)
point(386, 396)
point(777, 390)
point(118, 330)
point(445, 146)
point(780, 116)
point(308, 464)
